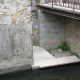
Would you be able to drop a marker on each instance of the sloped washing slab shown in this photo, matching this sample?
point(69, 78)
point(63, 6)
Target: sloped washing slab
point(43, 59)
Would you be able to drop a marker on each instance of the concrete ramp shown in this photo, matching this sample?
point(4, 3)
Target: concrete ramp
point(43, 59)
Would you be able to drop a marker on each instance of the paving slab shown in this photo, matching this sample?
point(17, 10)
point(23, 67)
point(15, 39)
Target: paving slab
point(43, 59)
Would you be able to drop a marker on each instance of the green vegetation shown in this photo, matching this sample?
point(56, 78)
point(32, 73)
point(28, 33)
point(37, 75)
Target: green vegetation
point(64, 46)
point(49, 50)
point(73, 53)
point(53, 54)
point(37, 1)
point(36, 14)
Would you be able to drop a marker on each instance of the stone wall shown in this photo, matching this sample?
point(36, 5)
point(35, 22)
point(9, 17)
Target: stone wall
point(15, 29)
point(35, 29)
point(51, 30)
point(34, 7)
point(34, 24)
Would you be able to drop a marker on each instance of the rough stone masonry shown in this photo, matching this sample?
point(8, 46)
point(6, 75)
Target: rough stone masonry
point(15, 30)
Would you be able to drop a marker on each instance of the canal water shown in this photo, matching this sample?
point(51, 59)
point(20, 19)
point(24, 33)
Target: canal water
point(66, 72)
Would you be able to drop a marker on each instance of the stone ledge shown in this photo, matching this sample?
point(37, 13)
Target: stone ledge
point(15, 65)
point(17, 68)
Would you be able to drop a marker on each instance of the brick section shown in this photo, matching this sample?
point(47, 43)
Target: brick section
point(72, 34)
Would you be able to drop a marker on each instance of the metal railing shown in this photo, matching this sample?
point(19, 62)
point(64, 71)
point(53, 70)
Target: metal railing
point(73, 4)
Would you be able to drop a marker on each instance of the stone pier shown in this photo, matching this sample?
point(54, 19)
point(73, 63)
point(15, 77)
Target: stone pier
point(15, 32)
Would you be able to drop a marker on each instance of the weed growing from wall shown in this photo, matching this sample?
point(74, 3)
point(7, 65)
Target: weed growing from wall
point(36, 14)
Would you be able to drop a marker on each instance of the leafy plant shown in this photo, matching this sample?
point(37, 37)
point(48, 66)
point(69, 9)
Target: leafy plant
point(64, 46)
point(37, 1)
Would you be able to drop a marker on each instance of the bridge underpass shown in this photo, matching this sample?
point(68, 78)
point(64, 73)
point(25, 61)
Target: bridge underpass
point(62, 11)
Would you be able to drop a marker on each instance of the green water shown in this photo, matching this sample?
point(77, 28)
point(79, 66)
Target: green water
point(67, 72)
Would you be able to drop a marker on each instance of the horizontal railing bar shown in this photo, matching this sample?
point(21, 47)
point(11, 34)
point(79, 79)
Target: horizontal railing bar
point(73, 4)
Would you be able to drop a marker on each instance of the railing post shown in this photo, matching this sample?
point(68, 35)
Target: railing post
point(79, 4)
point(68, 3)
point(73, 5)
point(63, 2)
point(52, 3)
